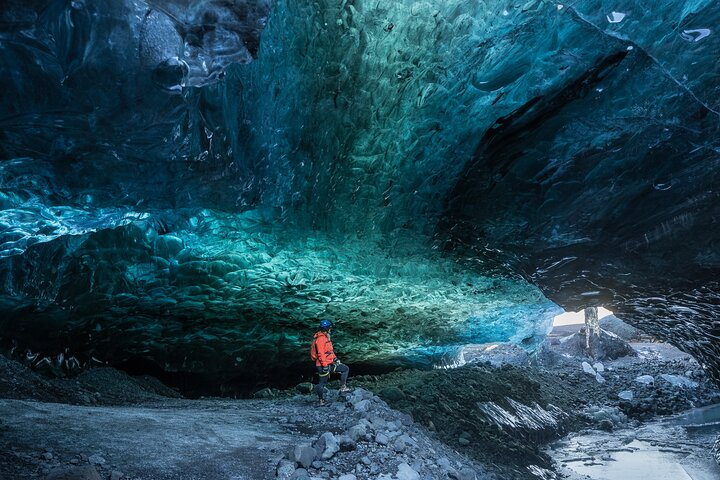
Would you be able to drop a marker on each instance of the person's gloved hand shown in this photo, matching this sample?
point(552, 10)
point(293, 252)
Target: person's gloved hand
point(325, 369)
point(336, 361)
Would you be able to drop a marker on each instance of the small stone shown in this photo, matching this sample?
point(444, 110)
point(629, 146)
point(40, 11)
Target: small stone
point(356, 432)
point(393, 426)
point(406, 419)
point(467, 474)
point(377, 422)
point(96, 459)
point(463, 441)
point(285, 469)
point(366, 460)
point(116, 475)
point(381, 438)
point(626, 395)
point(47, 456)
point(362, 405)
point(75, 461)
point(300, 474)
point(317, 465)
point(348, 476)
point(347, 444)
point(406, 472)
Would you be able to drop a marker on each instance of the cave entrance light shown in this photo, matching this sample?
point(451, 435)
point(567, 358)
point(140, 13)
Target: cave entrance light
point(577, 318)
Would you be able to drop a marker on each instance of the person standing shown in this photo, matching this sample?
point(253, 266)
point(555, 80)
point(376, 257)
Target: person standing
point(326, 361)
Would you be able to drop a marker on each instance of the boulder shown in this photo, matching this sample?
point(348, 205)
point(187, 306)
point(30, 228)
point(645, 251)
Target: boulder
point(305, 387)
point(264, 393)
point(362, 405)
point(326, 446)
point(679, 381)
point(304, 455)
point(392, 394)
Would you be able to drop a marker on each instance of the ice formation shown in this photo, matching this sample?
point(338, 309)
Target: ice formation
point(193, 183)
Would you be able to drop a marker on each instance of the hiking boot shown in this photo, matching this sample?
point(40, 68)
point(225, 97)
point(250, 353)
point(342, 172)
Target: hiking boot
point(344, 388)
point(322, 402)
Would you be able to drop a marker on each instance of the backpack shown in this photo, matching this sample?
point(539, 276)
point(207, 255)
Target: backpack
point(314, 350)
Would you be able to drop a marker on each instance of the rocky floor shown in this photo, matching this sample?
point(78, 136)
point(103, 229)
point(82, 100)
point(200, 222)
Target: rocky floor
point(357, 434)
point(502, 415)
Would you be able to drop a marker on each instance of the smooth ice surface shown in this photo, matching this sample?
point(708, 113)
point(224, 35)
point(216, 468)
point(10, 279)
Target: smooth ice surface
point(195, 182)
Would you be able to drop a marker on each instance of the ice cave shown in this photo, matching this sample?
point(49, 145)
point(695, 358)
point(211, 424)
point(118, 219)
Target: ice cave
point(187, 187)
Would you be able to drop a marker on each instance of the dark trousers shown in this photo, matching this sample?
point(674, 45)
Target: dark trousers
point(340, 368)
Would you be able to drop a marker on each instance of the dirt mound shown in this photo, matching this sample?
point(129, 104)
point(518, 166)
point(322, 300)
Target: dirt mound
point(116, 387)
point(103, 386)
point(463, 406)
point(19, 382)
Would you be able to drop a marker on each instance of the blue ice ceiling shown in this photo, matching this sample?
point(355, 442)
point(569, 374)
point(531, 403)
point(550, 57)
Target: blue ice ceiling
point(194, 182)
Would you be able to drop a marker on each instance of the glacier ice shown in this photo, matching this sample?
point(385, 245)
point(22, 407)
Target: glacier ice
point(197, 177)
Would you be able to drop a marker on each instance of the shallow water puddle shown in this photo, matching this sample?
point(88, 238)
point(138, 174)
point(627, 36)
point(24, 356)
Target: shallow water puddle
point(657, 451)
point(639, 461)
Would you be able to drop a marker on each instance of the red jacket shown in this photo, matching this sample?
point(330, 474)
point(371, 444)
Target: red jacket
point(323, 349)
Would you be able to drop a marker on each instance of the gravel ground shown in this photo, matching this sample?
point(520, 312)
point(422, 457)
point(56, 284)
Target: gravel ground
point(503, 415)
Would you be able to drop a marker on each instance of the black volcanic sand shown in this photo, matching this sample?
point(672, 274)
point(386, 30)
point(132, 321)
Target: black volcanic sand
point(444, 403)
